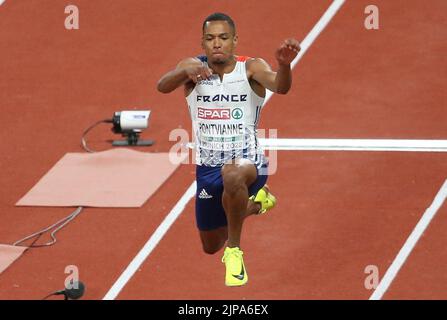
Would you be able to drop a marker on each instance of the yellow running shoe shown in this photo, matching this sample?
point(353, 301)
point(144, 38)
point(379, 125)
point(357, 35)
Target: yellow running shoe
point(235, 274)
point(265, 199)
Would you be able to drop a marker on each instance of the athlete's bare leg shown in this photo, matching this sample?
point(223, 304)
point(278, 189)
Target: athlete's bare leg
point(214, 240)
point(237, 177)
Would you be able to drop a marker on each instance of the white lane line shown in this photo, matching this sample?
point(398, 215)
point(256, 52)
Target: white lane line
point(410, 243)
point(1, 2)
point(151, 243)
point(355, 144)
point(163, 228)
point(311, 36)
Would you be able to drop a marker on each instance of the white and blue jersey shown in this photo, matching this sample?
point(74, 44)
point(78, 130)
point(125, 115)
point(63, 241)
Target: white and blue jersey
point(225, 115)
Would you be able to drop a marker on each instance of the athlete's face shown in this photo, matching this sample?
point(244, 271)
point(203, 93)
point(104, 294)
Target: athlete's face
point(218, 41)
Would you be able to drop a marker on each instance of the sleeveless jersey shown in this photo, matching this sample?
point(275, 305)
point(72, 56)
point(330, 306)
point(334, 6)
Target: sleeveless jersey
point(225, 115)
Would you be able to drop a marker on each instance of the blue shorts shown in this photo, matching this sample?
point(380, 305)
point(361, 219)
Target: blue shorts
point(210, 213)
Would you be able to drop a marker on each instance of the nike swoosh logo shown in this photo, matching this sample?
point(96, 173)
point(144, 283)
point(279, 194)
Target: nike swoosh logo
point(241, 275)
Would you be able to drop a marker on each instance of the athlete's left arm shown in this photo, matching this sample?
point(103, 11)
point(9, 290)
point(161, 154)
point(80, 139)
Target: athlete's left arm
point(280, 81)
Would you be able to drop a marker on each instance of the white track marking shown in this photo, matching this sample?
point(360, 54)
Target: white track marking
point(398, 145)
point(311, 36)
point(355, 144)
point(151, 243)
point(172, 216)
point(409, 244)
point(1, 2)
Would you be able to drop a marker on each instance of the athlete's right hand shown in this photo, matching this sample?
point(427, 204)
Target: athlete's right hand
point(198, 73)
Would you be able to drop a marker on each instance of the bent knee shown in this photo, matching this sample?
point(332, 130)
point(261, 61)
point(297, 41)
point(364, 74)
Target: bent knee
point(211, 249)
point(214, 247)
point(232, 177)
point(213, 241)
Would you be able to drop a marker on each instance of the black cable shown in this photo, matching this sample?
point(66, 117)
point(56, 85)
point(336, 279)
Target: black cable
point(51, 294)
point(83, 143)
point(61, 223)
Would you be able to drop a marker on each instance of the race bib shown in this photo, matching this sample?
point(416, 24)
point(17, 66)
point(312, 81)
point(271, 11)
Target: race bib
point(220, 129)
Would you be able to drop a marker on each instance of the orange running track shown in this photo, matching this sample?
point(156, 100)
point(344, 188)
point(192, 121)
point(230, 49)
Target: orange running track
point(338, 211)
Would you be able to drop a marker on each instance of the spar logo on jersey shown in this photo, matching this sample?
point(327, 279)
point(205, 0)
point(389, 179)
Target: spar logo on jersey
point(213, 114)
point(219, 114)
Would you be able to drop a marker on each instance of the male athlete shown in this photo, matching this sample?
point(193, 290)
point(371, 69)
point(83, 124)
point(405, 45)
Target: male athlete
point(225, 95)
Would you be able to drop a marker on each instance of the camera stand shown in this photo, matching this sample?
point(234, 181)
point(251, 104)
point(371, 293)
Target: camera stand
point(132, 140)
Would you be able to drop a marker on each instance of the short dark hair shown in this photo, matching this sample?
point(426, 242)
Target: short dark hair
point(218, 16)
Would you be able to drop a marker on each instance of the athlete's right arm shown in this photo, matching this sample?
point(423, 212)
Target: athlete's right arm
point(188, 70)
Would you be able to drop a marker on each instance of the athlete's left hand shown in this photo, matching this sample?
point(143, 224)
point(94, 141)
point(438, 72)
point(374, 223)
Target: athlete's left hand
point(287, 51)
